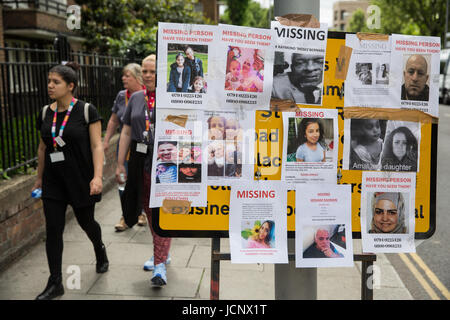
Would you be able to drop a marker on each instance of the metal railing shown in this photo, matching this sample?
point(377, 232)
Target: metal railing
point(23, 92)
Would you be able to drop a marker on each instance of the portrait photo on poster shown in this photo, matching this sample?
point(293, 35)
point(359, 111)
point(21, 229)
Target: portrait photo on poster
point(245, 69)
point(382, 145)
point(388, 212)
point(310, 140)
point(363, 73)
point(228, 146)
point(416, 77)
point(298, 77)
point(366, 143)
point(324, 241)
point(188, 68)
point(258, 234)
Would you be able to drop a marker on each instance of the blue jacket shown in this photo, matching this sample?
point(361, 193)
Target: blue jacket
point(175, 77)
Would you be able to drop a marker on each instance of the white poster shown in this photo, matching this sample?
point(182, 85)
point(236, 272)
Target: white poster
point(323, 229)
point(179, 165)
point(184, 57)
point(381, 145)
point(367, 83)
point(299, 63)
point(245, 68)
point(230, 141)
point(310, 146)
point(415, 63)
point(258, 222)
point(388, 212)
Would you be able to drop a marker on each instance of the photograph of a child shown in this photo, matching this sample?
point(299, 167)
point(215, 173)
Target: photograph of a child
point(387, 212)
point(310, 140)
point(258, 234)
point(245, 69)
point(187, 68)
point(324, 241)
point(189, 152)
point(367, 136)
point(364, 73)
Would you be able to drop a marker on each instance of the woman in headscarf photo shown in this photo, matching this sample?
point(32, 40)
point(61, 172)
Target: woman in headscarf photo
point(388, 213)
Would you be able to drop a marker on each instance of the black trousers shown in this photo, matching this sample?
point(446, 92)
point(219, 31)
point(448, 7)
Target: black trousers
point(55, 220)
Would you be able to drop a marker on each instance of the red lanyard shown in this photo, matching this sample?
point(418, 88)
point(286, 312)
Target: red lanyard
point(150, 107)
point(63, 125)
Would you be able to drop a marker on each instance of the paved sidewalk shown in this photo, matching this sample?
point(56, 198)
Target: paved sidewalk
point(188, 274)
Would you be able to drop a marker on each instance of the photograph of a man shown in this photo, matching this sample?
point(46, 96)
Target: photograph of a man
point(415, 79)
point(321, 247)
point(303, 84)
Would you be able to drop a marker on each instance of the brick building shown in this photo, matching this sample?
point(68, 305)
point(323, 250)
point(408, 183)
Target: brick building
point(343, 11)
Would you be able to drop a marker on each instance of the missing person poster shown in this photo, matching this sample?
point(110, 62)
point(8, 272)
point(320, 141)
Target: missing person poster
point(245, 67)
point(230, 141)
point(179, 166)
point(258, 222)
point(367, 82)
point(310, 146)
point(323, 230)
point(184, 54)
point(381, 145)
point(415, 63)
point(299, 63)
point(387, 212)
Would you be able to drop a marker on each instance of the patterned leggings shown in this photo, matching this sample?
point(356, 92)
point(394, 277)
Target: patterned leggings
point(161, 245)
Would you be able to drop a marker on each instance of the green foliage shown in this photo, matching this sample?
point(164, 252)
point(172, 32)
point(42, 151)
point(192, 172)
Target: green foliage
point(414, 17)
point(254, 15)
point(237, 12)
point(357, 22)
point(117, 26)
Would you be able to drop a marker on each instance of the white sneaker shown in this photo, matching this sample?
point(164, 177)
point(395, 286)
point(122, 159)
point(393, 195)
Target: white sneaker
point(149, 265)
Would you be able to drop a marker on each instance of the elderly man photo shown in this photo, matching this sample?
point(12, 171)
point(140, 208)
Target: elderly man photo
point(304, 83)
point(321, 247)
point(416, 77)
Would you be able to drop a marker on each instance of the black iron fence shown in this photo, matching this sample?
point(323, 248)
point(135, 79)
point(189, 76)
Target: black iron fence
point(23, 92)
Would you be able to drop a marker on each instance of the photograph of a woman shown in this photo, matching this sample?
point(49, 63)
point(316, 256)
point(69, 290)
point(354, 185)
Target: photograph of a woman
point(263, 236)
point(180, 75)
point(388, 213)
point(188, 68)
point(400, 151)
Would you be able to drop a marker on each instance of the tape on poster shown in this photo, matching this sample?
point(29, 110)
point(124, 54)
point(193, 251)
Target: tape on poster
point(299, 20)
point(343, 62)
point(176, 206)
point(178, 120)
point(278, 105)
point(389, 114)
point(372, 36)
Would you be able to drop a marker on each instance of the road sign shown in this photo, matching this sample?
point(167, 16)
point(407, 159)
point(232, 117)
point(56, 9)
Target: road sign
point(212, 221)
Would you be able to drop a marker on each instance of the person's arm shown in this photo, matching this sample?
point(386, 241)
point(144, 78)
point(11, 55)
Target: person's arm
point(113, 123)
point(41, 164)
point(124, 145)
point(95, 136)
point(186, 79)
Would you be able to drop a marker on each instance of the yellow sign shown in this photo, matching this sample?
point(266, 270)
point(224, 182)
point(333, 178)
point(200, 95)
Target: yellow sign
point(203, 222)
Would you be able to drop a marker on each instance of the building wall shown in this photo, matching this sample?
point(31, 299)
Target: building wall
point(343, 10)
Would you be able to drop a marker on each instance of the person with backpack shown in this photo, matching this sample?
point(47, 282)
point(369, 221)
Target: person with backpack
point(70, 170)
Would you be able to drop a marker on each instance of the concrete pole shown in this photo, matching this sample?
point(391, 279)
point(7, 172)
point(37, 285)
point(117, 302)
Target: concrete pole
point(293, 283)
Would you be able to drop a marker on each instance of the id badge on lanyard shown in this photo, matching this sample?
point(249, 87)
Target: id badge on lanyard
point(56, 156)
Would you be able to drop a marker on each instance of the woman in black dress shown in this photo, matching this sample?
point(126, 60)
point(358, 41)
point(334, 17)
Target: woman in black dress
point(70, 169)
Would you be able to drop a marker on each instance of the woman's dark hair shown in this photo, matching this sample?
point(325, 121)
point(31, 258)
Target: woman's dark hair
point(180, 54)
point(384, 74)
point(302, 130)
point(411, 144)
point(68, 72)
